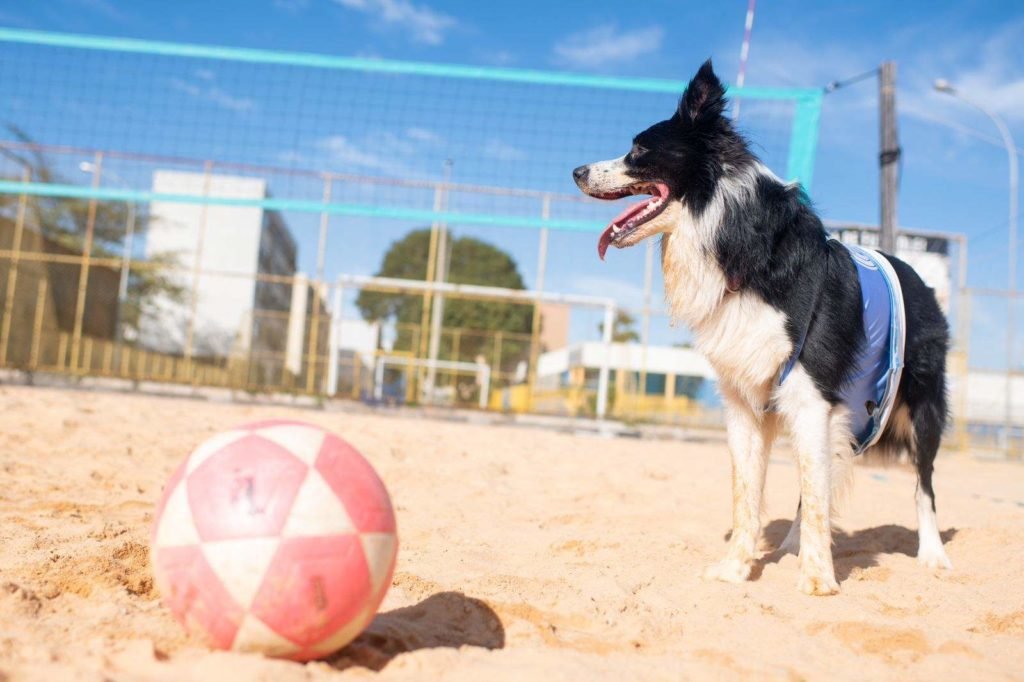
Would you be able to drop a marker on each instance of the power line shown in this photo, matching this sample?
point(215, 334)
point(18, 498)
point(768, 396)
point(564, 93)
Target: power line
point(832, 86)
point(959, 127)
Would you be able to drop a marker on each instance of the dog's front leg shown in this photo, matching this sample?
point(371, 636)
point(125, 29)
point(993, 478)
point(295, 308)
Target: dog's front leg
point(751, 433)
point(808, 414)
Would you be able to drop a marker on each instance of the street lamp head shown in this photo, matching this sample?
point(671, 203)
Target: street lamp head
point(943, 85)
point(86, 166)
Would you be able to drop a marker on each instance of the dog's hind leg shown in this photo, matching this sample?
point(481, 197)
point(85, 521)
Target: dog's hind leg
point(751, 433)
point(928, 420)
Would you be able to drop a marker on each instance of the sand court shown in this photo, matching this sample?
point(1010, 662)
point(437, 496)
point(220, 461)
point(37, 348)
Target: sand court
point(523, 552)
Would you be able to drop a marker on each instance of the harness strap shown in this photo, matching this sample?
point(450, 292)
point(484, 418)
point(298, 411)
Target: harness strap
point(799, 347)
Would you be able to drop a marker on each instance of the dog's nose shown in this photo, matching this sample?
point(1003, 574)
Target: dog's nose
point(580, 174)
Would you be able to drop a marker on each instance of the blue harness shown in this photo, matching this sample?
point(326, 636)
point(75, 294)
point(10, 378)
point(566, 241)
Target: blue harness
point(870, 390)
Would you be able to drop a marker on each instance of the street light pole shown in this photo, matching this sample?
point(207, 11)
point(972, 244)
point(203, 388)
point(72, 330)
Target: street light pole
point(944, 86)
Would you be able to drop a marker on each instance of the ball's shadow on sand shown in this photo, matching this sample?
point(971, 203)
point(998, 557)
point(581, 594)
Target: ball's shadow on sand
point(442, 620)
point(859, 549)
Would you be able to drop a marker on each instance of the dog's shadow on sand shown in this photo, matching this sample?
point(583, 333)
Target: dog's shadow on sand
point(442, 620)
point(859, 549)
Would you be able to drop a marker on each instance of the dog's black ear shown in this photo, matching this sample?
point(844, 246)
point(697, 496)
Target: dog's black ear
point(704, 99)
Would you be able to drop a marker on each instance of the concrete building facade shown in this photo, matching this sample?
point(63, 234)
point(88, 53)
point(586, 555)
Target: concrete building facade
point(219, 253)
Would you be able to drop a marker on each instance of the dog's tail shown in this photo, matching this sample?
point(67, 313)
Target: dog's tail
point(897, 441)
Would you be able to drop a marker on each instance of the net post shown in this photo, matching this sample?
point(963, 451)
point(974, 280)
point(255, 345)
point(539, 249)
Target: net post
point(803, 141)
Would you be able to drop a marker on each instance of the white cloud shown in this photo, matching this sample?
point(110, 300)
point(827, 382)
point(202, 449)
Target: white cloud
point(213, 94)
point(343, 152)
point(988, 71)
point(604, 45)
point(379, 153)
point(425, 25)
point(383, 152)
point(503, 151)
point(424, 135)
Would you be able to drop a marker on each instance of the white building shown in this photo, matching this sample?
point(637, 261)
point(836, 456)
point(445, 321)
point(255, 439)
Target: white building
point(235, 314)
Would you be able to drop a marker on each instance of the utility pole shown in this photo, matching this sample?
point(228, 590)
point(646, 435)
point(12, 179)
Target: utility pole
point(888, 155)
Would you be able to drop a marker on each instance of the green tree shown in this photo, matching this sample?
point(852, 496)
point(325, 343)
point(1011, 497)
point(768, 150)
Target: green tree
point(623, 329)
point(471, 261)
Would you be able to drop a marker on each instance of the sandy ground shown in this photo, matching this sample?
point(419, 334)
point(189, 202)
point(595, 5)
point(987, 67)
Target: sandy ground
point(525, 554)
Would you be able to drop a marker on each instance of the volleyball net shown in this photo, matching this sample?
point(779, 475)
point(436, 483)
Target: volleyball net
point(199, 203)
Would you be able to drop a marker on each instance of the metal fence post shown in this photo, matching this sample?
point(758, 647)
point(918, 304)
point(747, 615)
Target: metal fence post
point(428, 294)
point(126, 259)
point(196, 269)
point(313, 347)
point(334, 341)
point(602, 378)
point(538, 319)
point(646, 331)
point(83, 268)
point(440, 275)
point(37, 323)
point(12, 272)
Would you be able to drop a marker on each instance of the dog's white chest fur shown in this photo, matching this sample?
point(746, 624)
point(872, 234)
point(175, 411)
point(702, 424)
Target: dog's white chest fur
point(743, 337)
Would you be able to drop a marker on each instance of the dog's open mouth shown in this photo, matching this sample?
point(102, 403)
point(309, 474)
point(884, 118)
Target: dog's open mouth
point(627, 222)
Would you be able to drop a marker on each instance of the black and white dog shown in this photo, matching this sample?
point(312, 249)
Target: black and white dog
point(748, 266)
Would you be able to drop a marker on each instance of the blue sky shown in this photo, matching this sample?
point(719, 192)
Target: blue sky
point(953, 173)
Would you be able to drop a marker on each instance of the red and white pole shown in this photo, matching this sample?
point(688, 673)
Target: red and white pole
point(748, 28)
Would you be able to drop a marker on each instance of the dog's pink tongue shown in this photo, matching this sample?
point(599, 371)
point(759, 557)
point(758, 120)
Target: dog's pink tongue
point(604, 241)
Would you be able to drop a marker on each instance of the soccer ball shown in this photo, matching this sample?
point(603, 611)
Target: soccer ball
point(275, 537)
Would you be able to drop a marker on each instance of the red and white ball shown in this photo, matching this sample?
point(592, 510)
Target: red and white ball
point(276, 537)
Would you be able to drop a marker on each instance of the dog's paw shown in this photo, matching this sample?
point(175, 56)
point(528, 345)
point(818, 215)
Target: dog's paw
point(817, 585)
point(934, 558)
point(728, 571)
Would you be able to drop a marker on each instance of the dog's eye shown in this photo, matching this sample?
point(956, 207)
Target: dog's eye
point(636, 152)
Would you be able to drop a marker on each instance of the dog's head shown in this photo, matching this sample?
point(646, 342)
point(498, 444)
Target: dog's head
point(677, 162)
